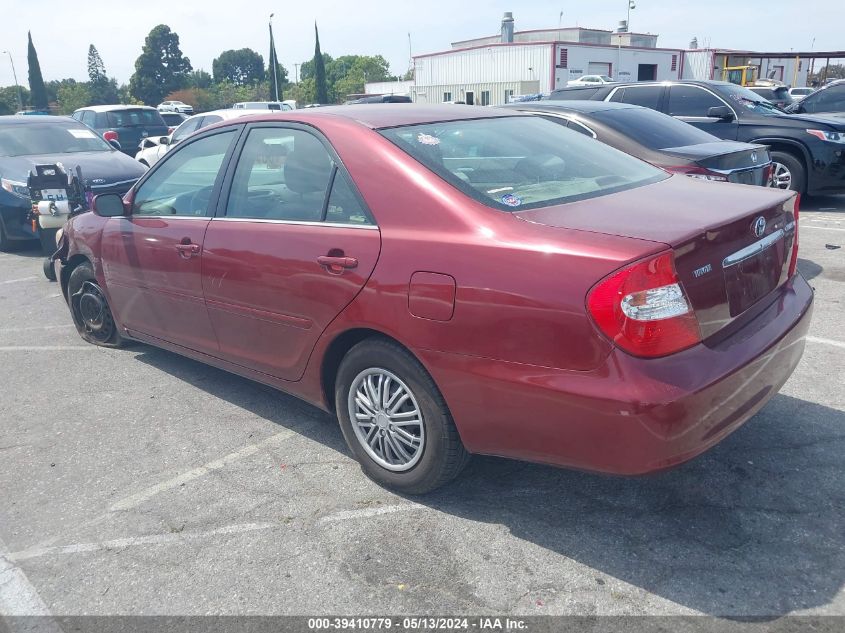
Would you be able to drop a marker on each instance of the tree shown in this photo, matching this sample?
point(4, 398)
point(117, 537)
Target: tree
point(322, 91)
point(200, 79)
point(832, 71)
point(9, 99)
point(101, 89)
point(306, 69)
point(36, 81)
point(161, 68)
point(72, 96)
point(243, 67)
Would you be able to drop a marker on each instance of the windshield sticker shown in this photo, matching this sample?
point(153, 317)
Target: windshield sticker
point(82, 134)
point(511, 200)
point(427, 139)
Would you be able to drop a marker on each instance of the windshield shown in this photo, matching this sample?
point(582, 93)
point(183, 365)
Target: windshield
point(49, 138)
point(519, 163)
point(606, 78)
point(748, 100)
point(653, 129)
point(135, 118)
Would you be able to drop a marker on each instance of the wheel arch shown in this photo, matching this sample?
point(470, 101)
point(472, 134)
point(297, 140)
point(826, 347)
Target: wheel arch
point(339, 347)
point(72, 263)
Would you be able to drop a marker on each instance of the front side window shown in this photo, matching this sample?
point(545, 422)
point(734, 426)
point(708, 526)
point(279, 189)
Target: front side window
point(691, 101)
point(519, 163)
point(182, 184)
point(828, 100)
point(282, 174)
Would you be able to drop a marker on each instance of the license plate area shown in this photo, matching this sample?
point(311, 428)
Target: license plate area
point(747, 177)
point(749, 279)
point(56, 195)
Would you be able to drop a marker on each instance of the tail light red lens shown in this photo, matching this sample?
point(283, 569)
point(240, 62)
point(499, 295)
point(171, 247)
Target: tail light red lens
point(644, 310)
point(793, 262)
point(694, 171)
point(111, 135)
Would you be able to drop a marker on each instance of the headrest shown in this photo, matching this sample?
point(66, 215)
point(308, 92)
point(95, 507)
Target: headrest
point(307, 167)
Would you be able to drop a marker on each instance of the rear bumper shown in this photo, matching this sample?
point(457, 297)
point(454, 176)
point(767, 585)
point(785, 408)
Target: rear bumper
point(633, 415)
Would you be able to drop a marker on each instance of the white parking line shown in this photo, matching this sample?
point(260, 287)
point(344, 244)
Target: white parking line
point(132, 541)
point(35, 327)
point(348, 515)
point(138, 498)
point(45, 348)
point(17, 595)
point(825, 341)
point(16, 281)
point(821, 228)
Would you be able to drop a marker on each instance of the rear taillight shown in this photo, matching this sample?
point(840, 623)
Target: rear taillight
point(643, 308)
point(768, 174)
point(793, 262)
point(111, 135)
point(694, 171)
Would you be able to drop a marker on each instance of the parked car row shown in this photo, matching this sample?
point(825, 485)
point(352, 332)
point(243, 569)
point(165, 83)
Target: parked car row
point(452, 280)
point(807, 151)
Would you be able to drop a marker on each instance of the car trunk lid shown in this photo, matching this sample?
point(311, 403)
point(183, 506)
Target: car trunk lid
point(732, 245)
point(738, 162)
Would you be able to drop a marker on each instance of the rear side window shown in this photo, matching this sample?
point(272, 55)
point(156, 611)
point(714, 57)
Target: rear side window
point(691, 101)
point(573, 95)
point(645, 96)
point(135, 118)
point(653, 129)
point(186, 128)
point(519, 163)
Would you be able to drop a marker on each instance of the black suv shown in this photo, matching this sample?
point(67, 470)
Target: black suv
point(808, 151)
point(122, 125)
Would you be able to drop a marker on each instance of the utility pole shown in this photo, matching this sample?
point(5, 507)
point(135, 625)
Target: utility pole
point(296, 73)
point(17, 85)
point(274, 61)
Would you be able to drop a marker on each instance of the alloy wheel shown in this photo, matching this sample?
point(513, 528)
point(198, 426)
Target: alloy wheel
point(782, 177)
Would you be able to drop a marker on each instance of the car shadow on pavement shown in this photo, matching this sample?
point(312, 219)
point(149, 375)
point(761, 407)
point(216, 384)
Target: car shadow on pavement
point(828, 204)
point(754, 527)
point(809, 268)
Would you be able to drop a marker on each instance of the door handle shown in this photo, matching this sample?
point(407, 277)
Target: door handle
point(188, 250)
point(337, 264)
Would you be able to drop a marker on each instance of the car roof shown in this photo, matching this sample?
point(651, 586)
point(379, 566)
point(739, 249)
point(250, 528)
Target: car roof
point(584, 107)
point(386, 115)
point(25, 119)
point(114, 108)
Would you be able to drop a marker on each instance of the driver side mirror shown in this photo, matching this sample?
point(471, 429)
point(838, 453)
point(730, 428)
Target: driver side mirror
point(723, 113)
point(164, 140)
point(109, 205)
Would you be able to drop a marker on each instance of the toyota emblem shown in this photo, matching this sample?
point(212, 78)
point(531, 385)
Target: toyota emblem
point(759, 226)
point(754, 157)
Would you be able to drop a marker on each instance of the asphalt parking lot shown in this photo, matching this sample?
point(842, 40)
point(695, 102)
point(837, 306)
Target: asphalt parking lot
point(140, 482)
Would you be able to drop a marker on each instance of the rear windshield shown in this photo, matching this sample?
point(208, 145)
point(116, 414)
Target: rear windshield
point(519, 163)
point(653, 129)
point(572, 95)
point(49, 138)
point(135, 118)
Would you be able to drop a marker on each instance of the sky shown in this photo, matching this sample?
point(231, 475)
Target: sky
point(62, 30)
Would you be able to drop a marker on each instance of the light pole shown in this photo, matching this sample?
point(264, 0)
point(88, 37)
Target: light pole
point(15, 75)
point(274, 61)
point(296, 73)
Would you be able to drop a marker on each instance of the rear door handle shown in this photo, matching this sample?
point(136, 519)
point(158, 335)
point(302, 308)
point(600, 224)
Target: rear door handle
point(188, 250)
point(337, 264)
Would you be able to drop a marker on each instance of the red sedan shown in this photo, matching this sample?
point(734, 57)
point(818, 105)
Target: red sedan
point(454, 280)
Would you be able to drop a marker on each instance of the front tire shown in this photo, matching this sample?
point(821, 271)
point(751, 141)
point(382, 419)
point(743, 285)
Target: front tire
point(789, 172)
point(90, 309)
point(395, 420)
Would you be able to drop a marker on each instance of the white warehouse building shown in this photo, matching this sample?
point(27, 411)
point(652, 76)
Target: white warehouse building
point(491, 70)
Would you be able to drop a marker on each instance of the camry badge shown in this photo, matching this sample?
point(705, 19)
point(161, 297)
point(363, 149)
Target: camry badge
point(759, 226)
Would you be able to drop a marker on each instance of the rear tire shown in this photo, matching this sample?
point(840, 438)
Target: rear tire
point(90, 309)
point(789, 172)
point(49, 271)
point(407, 452)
